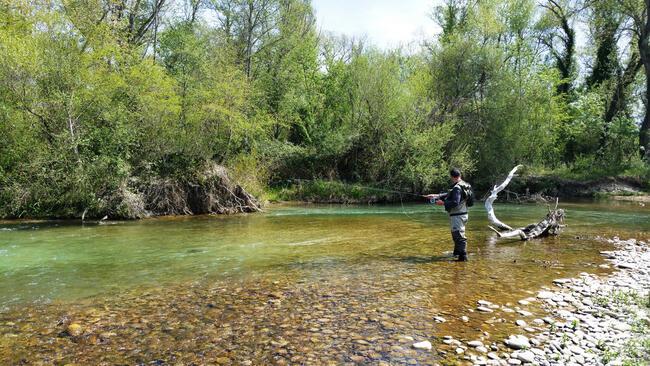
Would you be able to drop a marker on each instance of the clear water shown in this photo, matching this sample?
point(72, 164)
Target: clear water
point(53, 261)
point(388, 259)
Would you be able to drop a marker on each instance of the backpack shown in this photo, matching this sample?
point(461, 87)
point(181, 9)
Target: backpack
point(467, 193)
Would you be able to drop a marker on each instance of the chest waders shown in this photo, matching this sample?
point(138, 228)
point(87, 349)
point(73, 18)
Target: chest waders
point(458, 218)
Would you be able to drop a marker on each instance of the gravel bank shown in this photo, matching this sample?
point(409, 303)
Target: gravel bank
point(595, 320)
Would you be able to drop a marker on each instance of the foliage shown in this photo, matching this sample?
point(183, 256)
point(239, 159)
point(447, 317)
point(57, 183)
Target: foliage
point(334, 192)
point(99, 101)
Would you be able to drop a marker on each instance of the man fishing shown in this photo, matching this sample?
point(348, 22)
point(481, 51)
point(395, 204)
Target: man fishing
point(456, 201)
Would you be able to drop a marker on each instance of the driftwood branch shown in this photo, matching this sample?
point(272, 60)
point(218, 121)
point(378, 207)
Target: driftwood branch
point(493, 196)
point(552, 224)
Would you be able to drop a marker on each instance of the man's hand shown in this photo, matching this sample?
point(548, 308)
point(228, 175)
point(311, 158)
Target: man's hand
point(440, 202)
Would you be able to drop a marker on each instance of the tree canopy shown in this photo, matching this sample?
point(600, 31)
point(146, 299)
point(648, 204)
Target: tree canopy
point(99, 98)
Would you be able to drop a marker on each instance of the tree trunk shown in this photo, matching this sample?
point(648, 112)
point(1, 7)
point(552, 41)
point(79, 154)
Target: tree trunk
point(565, 64)
point(644, 131)
point(248, 57)
point(618, 103)
point(619, 96)
point(644, 52)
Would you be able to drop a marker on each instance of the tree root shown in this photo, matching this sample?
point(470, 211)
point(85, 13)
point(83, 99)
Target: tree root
point(209, 192)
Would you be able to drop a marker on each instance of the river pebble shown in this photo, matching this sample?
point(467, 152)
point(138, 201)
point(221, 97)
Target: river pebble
point(422, 345)
point(517, 342)
point(520, 323)
point(526, 356)
point(596, 312)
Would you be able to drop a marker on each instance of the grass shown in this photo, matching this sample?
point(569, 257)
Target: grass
point(622, 297)
point(331, 191)
point(636, 351)
point(589, 170)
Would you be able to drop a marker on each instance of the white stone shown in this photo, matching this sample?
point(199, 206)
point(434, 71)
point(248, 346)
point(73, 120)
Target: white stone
point(517, 342)
point(526, 356)
point(576, 350)
point(549, 320)
point(538, 351)
point(545, 295)
point(623, 327)
point(422, 345)
point(520, 323)
point(475, 343)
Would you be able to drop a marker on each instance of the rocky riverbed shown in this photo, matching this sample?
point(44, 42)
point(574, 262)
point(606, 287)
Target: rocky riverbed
point(594, 320)
point(398, 317)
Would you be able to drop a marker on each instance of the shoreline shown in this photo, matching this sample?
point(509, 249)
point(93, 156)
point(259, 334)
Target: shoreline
point(595, 320)
point(517, 197)
point(645, 199)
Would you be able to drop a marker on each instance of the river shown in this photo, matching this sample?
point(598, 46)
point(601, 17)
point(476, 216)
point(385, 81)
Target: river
point(297, 284)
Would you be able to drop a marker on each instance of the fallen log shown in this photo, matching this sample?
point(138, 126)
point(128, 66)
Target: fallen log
point(552, 224)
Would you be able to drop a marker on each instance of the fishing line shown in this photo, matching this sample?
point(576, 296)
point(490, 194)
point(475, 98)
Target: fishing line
point(400, 193)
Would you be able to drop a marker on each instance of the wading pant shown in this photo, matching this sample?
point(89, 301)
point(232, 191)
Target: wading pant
point(458, 234)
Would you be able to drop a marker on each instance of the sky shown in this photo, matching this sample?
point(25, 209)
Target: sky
point(385, 23)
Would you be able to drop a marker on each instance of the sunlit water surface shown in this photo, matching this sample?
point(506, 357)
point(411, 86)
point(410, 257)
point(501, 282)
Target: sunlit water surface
point(357, 278)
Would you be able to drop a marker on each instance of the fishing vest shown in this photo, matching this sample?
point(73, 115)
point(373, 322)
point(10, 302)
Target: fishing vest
point(461, 209)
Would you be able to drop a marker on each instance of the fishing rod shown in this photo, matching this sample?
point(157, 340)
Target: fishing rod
point(371, 188)
point(400, 193)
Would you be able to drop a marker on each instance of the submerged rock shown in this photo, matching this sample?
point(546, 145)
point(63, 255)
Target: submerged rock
point(74, 329)
point(422, 345)
point(520, 323)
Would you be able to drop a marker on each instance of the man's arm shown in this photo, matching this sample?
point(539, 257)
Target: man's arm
point(436, 196)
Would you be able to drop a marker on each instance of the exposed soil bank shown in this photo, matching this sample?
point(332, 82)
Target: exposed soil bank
point(566, 188)
point(641, 199)
point(210, 190)
point(521, 189)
